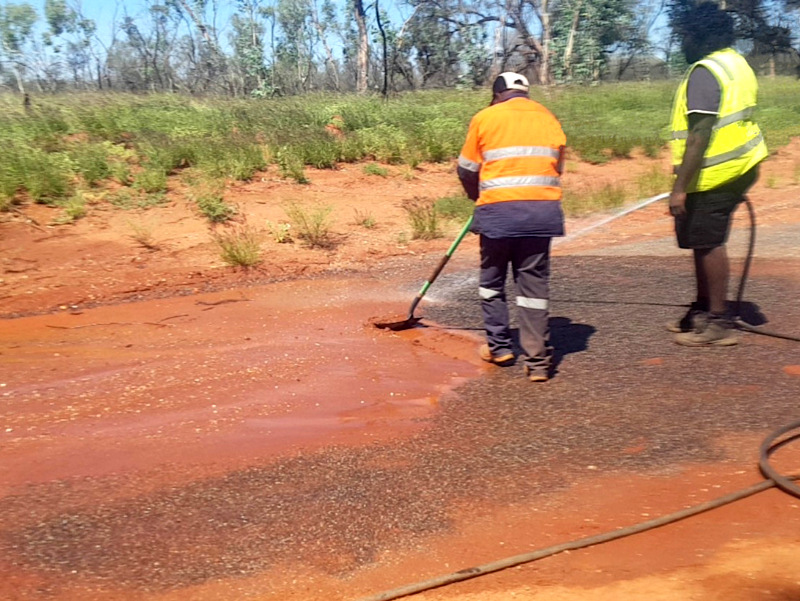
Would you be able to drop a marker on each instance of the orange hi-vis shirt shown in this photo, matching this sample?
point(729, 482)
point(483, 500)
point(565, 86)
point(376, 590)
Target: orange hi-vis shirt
point(515, 145)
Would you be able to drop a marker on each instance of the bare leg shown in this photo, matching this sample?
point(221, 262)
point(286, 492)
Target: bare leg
point(712, 270)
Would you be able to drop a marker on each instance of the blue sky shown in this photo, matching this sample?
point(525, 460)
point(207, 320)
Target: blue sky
point(108, 13)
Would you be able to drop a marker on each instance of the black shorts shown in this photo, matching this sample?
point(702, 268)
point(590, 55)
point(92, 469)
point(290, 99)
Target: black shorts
point(708, 214)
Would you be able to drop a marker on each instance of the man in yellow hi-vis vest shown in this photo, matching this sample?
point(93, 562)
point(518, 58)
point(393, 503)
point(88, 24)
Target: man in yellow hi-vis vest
point(511, 165)
point(716, 149)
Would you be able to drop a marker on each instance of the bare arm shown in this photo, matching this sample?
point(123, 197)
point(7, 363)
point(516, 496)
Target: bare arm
point(700, 126)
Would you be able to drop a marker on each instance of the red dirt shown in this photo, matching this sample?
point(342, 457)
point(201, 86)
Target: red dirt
point(211, 363)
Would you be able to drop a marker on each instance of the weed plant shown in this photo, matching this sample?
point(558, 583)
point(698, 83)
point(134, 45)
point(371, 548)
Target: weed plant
point(91, 162)
point(150, 180)
point(291, 165)
point(72, 209)
point(239, 245)
point(142, 234)
point(364, 219)
point(280, 232)
point(312, 223)
point(208, 195)
point(457, 207)
point(375, 169)
point(423, 218)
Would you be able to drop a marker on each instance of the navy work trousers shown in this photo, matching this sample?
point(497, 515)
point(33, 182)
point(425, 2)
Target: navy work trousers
point(529, 258)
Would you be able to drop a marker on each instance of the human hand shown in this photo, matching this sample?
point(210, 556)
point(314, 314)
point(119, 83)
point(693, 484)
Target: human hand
point(677, 204)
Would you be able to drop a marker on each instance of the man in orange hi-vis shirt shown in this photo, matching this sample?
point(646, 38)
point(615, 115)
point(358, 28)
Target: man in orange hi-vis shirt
point(511, 165)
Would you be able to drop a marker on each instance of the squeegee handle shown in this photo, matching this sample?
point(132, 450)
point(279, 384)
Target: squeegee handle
point(440, 266)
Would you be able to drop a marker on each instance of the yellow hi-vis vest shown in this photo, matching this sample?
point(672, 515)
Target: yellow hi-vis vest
point(737, 143)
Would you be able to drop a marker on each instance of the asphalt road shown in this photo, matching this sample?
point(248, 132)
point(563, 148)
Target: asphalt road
point(621, 382)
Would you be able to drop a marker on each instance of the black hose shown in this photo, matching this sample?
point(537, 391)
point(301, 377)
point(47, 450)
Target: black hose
point(769, 445)
point(737, 311)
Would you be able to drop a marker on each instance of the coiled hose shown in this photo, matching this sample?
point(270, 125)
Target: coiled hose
point(772, 443)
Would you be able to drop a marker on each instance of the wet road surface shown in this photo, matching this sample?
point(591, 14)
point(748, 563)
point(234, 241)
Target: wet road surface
point(625, 400)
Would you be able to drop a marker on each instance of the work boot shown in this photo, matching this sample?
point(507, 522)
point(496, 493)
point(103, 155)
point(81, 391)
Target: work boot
point(712, 330)
point(537, 374)
point(502, 358)
point(689, 321)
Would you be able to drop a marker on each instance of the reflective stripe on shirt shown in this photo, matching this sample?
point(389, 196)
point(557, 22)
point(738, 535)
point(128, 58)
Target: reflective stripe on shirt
point(521, 181)
point(514, 152)
point(468, 165)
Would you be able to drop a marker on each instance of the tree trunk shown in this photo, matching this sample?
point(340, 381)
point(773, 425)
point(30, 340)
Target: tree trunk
point(363, 47)
point(571, 42)
point(547, 35)
point(537, 48)
point(18, 77)
point(328, 51)
point(201, 27)
point(385, 90)
point(499, 58)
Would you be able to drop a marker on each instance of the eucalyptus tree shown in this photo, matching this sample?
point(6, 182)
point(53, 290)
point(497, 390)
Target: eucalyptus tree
point(587, 32)
point(767, 24)
point(362, 72)
point(249, 29)
point(72, 37)
point(16, 39)
point(144, 59)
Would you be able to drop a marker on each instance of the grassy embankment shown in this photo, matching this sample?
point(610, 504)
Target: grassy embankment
point(120, 149)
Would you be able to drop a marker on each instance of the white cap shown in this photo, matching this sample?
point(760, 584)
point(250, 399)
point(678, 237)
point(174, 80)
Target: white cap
point(510, 81)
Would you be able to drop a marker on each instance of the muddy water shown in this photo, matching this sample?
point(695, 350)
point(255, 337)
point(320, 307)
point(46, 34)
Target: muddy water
point(213, 381)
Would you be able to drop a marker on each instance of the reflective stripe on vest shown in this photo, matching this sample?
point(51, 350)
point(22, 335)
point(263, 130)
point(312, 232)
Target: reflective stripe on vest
point(736, 143)
point(720, 123)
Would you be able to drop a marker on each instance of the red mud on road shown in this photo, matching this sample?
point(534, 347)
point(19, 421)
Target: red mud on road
point(214, 380)
point(182, 385)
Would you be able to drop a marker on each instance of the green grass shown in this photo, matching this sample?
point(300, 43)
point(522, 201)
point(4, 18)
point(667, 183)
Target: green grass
point(128, 199)
point(609, 196)
point(208, 195)
point(423, 218)
point(375, 169)
point(150, 180)
point(652, 182)
point(457, 207)
point(72, 209)
point(86, 139)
